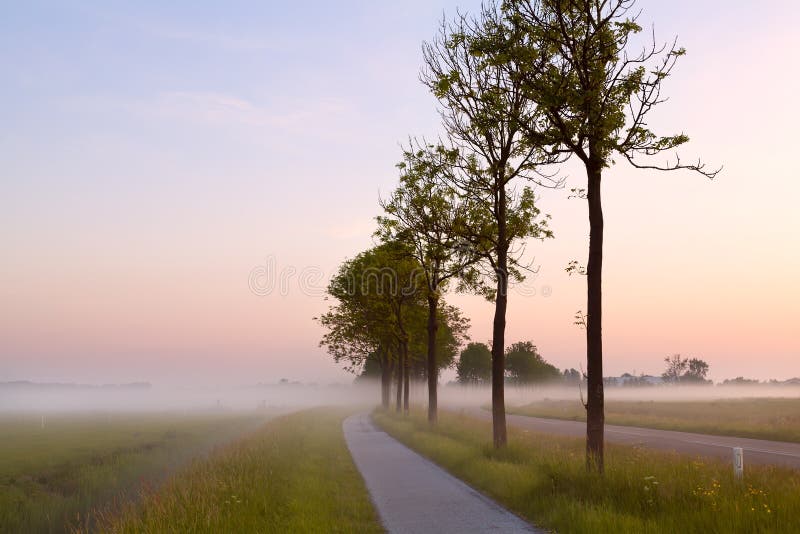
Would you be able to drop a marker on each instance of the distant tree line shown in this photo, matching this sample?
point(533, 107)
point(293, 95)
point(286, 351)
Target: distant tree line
point(523, 365)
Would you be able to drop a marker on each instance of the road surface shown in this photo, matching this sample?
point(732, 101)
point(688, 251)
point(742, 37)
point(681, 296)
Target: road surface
point(412, 494)
point(756, 451)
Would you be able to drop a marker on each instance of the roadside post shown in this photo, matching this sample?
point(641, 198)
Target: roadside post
point(738, 463)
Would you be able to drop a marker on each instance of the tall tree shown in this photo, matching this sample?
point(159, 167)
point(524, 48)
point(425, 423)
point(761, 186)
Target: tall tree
point(595, 94)
point(481, 108)
point(424, 212)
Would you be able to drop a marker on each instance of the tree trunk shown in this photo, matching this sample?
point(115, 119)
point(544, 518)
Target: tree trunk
point(595, 417)
point(433, 370)
point(386, 381)
point(498, 363)
point(400, 368)
point(406, 373)
point(499, 433)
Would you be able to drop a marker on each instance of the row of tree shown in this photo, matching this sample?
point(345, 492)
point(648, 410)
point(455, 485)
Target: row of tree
point(524, 365)
point(523, 85)
point(382, 318)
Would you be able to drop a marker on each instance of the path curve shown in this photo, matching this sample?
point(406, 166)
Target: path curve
point(756, 451)
point(412, 494)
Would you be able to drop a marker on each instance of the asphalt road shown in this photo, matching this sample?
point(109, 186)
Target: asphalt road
point(412, 494)
point(756, 451)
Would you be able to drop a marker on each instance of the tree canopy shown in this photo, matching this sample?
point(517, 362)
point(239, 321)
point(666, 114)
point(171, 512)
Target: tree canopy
point(524, 365)
point(475, 364)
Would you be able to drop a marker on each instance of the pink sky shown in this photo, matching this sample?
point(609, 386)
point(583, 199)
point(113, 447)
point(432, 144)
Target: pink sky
point(131, 219)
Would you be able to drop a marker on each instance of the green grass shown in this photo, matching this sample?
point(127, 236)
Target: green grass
point(294, 475)
point(763, 418)
point(52, 477)
point(542, 478)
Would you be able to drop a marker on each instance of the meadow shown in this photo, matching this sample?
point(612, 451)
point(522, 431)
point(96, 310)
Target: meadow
point(56, 472)
point(760, 418)
point(543, 479)
point(294, 474)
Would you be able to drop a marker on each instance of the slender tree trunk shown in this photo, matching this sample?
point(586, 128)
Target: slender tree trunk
point(498, 363)
point(499, 432)
point(386, 382)
point(595, 417)
point(400, 367)
point(406, 373)
point(433, 369)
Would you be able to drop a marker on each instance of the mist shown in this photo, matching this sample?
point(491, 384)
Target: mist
point(143, 397)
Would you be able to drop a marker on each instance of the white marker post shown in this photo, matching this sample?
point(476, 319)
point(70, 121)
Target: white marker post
point(738, 462)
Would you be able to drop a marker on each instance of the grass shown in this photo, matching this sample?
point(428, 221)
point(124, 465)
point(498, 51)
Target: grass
point(761, 418)
point(542, 478)
point(52, 476)
point(294, 475)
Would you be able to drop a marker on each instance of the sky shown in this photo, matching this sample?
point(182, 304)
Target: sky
point(154, 156)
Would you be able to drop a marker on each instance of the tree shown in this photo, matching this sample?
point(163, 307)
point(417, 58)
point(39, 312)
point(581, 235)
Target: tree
point(372, 368)
point(425, 213)
point(480, 111)
point(451, 335)
point(740, 381)
point(357, 328)
point(685, 370)
point(595, 95)
point(697, 371)
point(572, 376)
point(475, 364)
point(524, 365)
point(676, 366)
point(376, 294)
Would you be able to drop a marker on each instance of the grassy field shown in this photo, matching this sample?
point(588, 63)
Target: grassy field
point(765, 418)
point(294, 474)
point(542, 478)
point(52, 476)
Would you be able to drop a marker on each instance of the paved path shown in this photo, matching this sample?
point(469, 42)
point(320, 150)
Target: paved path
point(414, 495)
point(756, 451)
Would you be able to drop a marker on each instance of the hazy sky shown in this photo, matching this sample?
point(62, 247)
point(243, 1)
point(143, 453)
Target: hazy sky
point(153, 155)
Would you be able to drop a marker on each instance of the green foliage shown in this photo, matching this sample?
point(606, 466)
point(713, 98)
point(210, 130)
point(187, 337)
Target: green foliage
point(376, 293)
point(594, 90)
point(294, 475)
point(426, 213)
point(381, 307)
point(543, 478)
point(451, 335)
point(482, 112)
point(524, 365)
point(475, 364)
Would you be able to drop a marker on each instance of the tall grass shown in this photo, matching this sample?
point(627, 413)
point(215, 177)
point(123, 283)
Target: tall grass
point(51, 476)
point(760, 418)
point(542, 478)
point(294, 475)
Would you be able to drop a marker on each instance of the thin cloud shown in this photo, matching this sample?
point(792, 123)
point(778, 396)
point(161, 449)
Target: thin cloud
point(225, 109)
